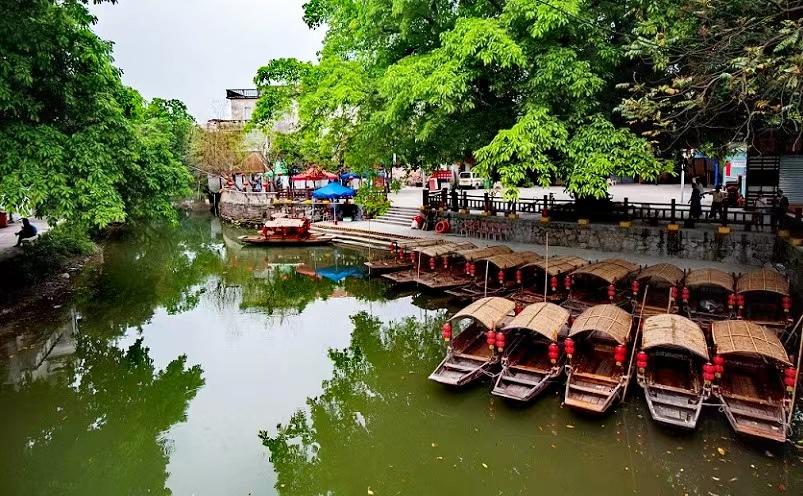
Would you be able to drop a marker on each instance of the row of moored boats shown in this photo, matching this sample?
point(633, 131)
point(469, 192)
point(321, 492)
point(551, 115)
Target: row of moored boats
point(688, 338)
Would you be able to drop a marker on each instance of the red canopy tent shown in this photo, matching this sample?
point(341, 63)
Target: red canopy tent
point(315, 174)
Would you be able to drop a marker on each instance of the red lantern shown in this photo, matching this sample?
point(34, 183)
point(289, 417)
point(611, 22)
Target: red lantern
point(790, 372)
point(401, 254)
point(673, 293)
point(790, 378)
point(787, 304)
point(432, 263)
point(685, 294)
point(393, 248)
point(641, 361)
point(501, 277)
point(634, 286)
point(568, 346)
point(567, 282)
point(500, 341)
point(490, 339)
point(519, 276)
point(611, 292)
point(446, 331)
point(472, 269)
point(740, 300)
point(446, 262)
point(619, 354)
point(708, 372)
point(412, 258)
point(553, 283)
point(731, 301)
point(518, 308)
point(553, 352)
point(719, 365)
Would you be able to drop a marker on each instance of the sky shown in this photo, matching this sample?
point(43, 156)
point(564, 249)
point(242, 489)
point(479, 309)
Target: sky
point(194, 49)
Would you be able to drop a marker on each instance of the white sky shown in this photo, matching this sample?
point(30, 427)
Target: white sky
point(194, 49)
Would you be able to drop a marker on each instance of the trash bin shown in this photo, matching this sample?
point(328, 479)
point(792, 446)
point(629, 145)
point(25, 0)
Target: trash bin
point(3, 219)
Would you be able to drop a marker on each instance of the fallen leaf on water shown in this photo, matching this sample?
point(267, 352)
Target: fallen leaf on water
point(484, 465)
point(721, 451)
point(715, 478)
point(733, 479)
point(569, 426)
point(370, 493)
point(439, 458)
point(553, 445)
point(434, 445)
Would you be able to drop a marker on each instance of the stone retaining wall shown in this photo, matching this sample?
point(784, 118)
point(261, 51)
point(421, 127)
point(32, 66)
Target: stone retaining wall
point(745, 248)
point(244, 208)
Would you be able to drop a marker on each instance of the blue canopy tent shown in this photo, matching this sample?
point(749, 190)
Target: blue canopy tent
point(348, 176)
point(337, 274)
point(333, 191)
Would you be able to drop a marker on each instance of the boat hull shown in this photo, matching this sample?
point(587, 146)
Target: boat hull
point(461, 370)
point(263, 241)
point(674, 409)
point(520, 384)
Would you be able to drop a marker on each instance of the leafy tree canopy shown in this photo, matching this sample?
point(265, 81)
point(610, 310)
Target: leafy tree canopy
point(716, 71)
point(524, 88)
point(75, 143)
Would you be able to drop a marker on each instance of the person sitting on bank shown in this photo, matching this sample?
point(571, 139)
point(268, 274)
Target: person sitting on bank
point(28, 231)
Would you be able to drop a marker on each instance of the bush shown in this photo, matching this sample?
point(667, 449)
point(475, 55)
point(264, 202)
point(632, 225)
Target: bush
point(47, 255)
point(373, 201)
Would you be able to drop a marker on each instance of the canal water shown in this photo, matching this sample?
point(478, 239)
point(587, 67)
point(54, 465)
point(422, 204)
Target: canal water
point(188, 365)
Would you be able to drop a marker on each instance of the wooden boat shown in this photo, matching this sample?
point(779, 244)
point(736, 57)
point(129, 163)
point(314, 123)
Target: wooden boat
point(599, 361)
point(655, 289)
point(495, 276)
point(415, 257)
point(398, 259)
point(472, 353)
point(708, 295)
point(437, 267)
point(606, 281)
point(750, 363)
point(552, 272)
point(670, 363)
point(286, 231)
point(763, 298)
point(532, 360)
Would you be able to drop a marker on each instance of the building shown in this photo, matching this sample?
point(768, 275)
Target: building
point(242, 103)
point(775, 161)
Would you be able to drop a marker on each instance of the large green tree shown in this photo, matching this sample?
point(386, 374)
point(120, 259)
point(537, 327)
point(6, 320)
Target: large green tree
point(75, 143)
point(524, 88)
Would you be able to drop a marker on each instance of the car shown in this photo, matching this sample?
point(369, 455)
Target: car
point(469, 180)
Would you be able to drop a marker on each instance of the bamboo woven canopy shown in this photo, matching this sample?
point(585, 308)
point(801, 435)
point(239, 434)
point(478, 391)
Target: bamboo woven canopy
point(558, 265)
point(488, 311)
point(747, 338)
point(709, 277)
point(475, 253)
point(515, 259)
point(607, 319)
point(670, 330)
point(610, 270)
point(444, 249)
point(763, 280)
point(546, 319)
point(663, 272)
point(285, 222)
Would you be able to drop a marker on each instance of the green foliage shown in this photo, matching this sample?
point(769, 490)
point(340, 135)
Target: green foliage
point(520, 86)
point(372, 200)
point(395, 186)
point(716, 71)
point(75, 143)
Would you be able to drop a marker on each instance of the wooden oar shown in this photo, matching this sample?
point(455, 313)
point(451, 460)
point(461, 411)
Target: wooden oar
point(797, 379)
point(635, 339)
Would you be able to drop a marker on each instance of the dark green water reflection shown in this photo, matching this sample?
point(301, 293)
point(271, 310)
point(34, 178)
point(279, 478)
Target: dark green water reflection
point(189, 365)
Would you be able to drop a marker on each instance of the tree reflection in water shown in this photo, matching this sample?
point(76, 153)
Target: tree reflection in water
point(95, 428)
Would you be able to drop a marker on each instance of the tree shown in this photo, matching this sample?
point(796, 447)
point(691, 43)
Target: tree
point(527, 89)
point(75, 143)
point(716, 71)
point(218, 150)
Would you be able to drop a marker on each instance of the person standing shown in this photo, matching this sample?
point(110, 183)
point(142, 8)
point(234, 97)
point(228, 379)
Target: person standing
point(717, 197)
point(214, 184)
point(695, 202)
point(780, 210)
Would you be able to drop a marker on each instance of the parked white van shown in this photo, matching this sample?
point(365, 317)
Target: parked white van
point(469, 180)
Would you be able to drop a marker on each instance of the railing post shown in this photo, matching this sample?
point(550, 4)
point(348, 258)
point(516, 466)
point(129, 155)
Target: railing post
point(425, 198)
point(546, 203)
point(444, 197)
point(454, 200)
point(486, 203)
point(627, 209)
point(724, 214)
point(672, 215)
point(465, 200)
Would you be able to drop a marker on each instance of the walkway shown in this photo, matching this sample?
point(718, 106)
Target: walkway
point(8, 236)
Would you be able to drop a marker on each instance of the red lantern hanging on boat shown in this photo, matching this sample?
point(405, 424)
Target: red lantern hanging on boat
point(611, 292)
point(432, 263)
point(500, 341)
point(685, 294)
point(568, 347)
point(790, 378)
point(446, 331)
point(708, 373)
point(401, 254)
point(719, 366)
point(673, 293)
point(731, 301)
point(412, 258)
point(740, 301)
point(393, 248)
point(501, 277)
point(786, 302)
point(490, 339)
point(446, 262)
point(519, 276)
point(567, 282)
point(472, 269)
point(634, 287)
point(518, 308)
point(553, 283)
point(553, 352)
point(620, 354)
point(641, 361)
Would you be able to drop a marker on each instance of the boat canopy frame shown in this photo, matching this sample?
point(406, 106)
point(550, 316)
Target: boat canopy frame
point(710, 277)
point(674, 331)
point(475, 254)
point(489, 311)
point(610, 270)
point(766, 280)
point(607, 319)
point(546, 319)
point(557, 266)
point(747, 338)
point(663, 272)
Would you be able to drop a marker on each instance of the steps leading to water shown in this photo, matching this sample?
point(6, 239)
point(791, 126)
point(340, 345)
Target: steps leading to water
point(358, 237)
point(398, 216)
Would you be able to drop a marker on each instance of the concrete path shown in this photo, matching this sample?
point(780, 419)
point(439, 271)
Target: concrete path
point(587, 254)
point(8, 236)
